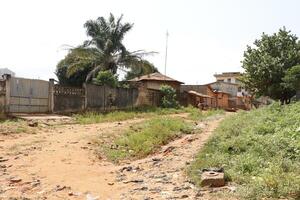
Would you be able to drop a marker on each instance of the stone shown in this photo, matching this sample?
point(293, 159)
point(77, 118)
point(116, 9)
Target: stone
point(33, 124)
point(3, 159)
point(110, 183)
point(15, 180)
point(212, 179)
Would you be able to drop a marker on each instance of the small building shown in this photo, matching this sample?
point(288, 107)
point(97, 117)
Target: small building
point(195, 94)
point(149, 87)
point(6, 71)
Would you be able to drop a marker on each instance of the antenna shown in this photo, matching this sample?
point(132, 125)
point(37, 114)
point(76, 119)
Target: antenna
point(166, 56)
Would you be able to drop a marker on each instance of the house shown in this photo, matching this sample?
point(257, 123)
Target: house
point(195, 94)
point(149, 87)
point(229, 77)
point(6, 71)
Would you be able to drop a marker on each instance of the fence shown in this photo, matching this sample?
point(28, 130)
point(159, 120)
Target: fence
point(2, 96)
point(38, 96)
point(68, 99)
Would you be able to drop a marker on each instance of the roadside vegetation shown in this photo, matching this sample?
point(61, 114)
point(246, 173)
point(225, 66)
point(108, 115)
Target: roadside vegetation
point(12, 126)
point(142, 112)
point(145, 138)
point(259, 150)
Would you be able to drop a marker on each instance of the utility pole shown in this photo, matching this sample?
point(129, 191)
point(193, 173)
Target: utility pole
point(166, 55)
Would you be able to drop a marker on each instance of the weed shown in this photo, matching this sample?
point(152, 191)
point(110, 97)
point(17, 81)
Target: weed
point(260, 151)
point(145, 138)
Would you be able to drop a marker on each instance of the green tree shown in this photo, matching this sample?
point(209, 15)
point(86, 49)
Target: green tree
point(77, 78)
point(106, 78)
point(104, 50)
point(140, 70)
point(168, 97)
point(291, 80)
point(267, 63)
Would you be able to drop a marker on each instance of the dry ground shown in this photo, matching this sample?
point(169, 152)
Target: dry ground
point(59, 162)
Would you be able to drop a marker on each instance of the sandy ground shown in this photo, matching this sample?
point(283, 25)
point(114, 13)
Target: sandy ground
point(59, 163)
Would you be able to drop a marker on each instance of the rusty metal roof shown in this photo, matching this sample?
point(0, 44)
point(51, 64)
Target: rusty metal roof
point(199, 94)
point(154, 77)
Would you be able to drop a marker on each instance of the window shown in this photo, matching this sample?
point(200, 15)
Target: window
point(229, 80)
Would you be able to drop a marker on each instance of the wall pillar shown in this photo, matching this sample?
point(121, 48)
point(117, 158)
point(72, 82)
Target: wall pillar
point(85, 96)
point(51, 96)
point(7, 78)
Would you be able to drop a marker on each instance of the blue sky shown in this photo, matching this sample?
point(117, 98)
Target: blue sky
point(206, 36)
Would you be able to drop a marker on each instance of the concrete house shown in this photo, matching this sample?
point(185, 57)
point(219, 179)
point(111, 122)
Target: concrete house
point(149, 86)
point(229, 77)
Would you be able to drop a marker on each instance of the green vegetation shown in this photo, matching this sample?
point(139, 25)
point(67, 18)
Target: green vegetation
point(106, 78)
point(268, 66)
point(93, 117)
point(15, 126)
point(259, 150)
point(168, 99)
point(103, 51)
point(142, 112)
point(198, 115)
point(144, 139)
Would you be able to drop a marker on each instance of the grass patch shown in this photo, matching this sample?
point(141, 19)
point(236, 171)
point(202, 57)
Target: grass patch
point(8, 127)
point(94, 117)
point(143, 112)
point(198, 115)
point(259, 150)
point(145, 138)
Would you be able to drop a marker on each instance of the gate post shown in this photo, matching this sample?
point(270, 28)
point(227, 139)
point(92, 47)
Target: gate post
point(7, 78)
point(85, 96)
point(51, 95)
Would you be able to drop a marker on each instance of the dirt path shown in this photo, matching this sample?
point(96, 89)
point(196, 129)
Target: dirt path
point(59, 163)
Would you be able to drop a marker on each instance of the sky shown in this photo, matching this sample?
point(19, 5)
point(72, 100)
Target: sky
point(205, 36)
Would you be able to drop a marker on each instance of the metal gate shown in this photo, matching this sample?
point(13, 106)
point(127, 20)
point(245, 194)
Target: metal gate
point(28, 96)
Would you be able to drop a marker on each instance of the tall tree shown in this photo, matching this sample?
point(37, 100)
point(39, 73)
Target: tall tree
point(104, 50)
point(267, 63)
point(139, 70)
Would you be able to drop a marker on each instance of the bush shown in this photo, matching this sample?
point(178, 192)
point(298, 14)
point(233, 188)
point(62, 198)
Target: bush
point(106, 78)
point(168, 97)
point(259, 150)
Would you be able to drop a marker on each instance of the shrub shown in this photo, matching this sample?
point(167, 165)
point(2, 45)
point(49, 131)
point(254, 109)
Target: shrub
point(259, 150)
point(106, 78)
point(168, 97)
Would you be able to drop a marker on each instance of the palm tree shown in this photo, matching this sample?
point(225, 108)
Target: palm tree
point(105, 49)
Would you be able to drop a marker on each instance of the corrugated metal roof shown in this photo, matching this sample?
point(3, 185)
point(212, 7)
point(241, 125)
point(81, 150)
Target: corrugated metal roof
point(199, 94)
point(155, 77)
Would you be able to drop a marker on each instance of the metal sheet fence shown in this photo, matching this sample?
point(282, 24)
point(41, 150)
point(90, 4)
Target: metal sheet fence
point(94, 98)
point(106, 98)
point(28, 95)
point(68, 99)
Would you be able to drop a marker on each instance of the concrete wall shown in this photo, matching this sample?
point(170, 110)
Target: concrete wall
point(232, 89)
point(2, 98)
